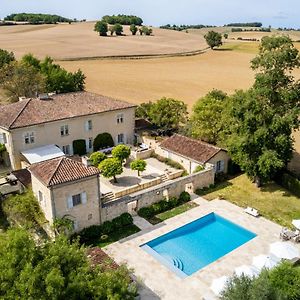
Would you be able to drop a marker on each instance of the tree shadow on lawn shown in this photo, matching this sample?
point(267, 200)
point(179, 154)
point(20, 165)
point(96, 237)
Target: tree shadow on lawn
point(272, 187)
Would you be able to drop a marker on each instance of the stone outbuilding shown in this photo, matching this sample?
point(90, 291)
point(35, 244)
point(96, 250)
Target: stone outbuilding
point(191, 153)
point(66, 188)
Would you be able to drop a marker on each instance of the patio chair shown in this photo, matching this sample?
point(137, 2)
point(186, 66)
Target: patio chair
point(252, 211)
point(287, 234)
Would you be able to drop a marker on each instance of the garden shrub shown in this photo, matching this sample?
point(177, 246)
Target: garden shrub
point(126, 219)
point(117, 222)
point(79, 147)
point(90, 233)
point(164, 205)
point(146, 212)
point(199, 169)
point(103, 140)
point(96, 158)
point(184, 197)
point(107, 227)
point(173, 202)
point(168, 161)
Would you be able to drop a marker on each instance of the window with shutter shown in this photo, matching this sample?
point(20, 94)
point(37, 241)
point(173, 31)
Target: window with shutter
point(83, 198)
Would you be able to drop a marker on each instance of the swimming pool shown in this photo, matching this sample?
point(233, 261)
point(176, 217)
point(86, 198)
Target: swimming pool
point(193, 246)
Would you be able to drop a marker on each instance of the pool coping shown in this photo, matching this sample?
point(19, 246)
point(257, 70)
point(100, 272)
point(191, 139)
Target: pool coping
point(164, 283)
point(179, 272)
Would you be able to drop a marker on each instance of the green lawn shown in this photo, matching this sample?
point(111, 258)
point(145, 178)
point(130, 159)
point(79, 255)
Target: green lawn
point(117, 235)
point(244, 47)
point(172, 212)
point(272, 201)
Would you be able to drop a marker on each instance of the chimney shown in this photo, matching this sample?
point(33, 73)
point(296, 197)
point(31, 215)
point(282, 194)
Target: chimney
point(44, 96)
point(22, 98)
point(86, 161)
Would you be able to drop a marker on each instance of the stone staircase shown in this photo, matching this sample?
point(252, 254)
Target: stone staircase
point(164, 178)
point(108, 197)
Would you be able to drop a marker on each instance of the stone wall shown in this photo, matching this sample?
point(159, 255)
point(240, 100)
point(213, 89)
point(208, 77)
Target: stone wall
point(152, 195)
point(142, 154)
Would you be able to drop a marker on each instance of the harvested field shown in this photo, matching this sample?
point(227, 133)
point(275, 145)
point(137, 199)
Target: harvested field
point(185, 78)
point(78, 40)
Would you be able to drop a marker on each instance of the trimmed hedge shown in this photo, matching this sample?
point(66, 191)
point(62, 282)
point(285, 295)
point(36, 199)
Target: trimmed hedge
point(103, 140)
point(90, 234)
point(163, 205)
point(79, 147)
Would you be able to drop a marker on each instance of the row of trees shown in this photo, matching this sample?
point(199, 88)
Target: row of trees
point(184, 27)
point(103, 28)
point(37, 18)
point(123, 20)
point(111, 167)
point(31, 76)
point(251, 24)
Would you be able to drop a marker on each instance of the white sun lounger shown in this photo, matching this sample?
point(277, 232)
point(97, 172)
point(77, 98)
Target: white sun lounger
point(251, 211)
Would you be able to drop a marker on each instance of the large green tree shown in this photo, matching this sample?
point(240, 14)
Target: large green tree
point(206, 119)
point(18, 79)
point(166, 113)
point(111, 167)
point(101, 27)
point(259, 122)
point(55, 270)
point(121, 152)
point(6, 57)
point(213, 39)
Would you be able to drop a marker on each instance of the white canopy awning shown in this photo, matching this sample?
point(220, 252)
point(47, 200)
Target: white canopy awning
point(43, 153)
point(284, 250)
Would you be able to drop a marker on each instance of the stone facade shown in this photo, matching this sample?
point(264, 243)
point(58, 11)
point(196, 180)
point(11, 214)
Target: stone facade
point(152, 195)
point(49, 133)
point(54, 201)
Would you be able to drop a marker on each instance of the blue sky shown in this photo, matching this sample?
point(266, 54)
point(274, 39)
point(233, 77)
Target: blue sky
point(157, 12)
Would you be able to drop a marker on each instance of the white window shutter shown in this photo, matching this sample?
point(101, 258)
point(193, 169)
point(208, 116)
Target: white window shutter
point(70, 202)
point(83, 198)
point(87, 146)
point(86, 125)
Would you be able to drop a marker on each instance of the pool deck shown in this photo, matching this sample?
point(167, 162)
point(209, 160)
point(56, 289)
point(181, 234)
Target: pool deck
point(161, 283)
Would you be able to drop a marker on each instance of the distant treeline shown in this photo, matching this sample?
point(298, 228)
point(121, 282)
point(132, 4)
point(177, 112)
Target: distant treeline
point(288, 29)
point(251, 29)
point(184, 27)
point(37, 18)
point(123, 20)
point(252, 24)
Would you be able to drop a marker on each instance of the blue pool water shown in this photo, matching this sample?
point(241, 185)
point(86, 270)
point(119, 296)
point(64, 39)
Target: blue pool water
point(195, 245)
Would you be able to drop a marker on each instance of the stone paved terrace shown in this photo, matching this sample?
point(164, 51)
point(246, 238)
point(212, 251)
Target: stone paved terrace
point(130, 178)
point(161, 283)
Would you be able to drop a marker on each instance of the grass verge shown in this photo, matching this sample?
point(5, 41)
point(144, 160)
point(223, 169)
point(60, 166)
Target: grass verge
point(273, 202)
point(172, 212)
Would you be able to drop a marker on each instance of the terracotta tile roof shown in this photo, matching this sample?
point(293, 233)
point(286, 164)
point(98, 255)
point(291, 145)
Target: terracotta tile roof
point(23, 176)
point(58, 107)
point(61, 170)
point(194, 149)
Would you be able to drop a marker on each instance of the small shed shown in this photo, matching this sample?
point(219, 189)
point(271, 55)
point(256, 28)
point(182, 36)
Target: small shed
point(191, 153)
